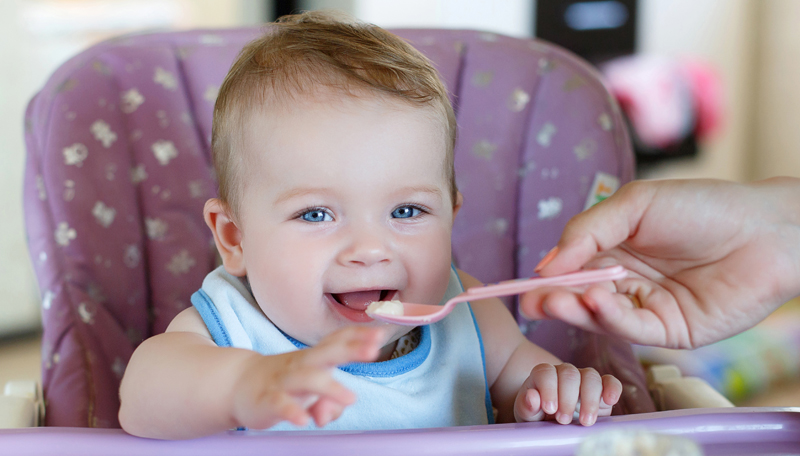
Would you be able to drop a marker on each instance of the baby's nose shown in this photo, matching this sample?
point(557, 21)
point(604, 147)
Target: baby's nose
point(366, 248)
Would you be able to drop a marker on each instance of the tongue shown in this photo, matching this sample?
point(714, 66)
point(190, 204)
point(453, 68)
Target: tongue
point(359, 300)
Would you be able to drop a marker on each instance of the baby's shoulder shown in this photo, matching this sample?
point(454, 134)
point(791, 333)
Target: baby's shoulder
point(189, 320)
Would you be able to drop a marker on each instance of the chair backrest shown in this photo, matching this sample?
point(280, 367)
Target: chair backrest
point(118, 170)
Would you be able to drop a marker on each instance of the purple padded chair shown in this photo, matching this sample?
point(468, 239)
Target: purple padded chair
point(118, 170)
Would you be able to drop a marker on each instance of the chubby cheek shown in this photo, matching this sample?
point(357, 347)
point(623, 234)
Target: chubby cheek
point(428, 262)
point(286, 279)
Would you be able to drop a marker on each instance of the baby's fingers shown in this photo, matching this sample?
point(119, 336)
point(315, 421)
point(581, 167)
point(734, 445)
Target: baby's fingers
point(348, 345)
point(325, 411)
point(311, 381)
point(271, 409)
point(591, 391)
point(569, 386)
point(544, 379)
point(528, 406)
point(598, 395)
point(612, 391)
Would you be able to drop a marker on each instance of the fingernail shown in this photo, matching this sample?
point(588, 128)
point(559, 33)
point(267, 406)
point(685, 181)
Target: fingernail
point(563, 418)
point(546, 310)
point(547, 258)
point(549, 407)
point(591, 304)
point(328, 416)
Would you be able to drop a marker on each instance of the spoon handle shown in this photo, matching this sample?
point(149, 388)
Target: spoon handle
point(517, 286)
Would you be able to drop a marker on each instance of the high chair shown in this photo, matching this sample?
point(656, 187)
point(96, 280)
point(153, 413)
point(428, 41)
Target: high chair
point(118, 170)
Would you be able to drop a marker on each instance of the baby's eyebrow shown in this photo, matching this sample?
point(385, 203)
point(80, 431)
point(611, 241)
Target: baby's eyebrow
point(434, 191)
point(303, 191)
point(297, 192)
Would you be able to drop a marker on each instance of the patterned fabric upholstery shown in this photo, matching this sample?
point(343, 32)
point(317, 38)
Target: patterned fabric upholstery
point(118, 170)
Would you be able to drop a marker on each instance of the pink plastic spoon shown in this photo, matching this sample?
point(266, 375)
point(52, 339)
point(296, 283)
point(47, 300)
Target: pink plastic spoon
point(425, 314)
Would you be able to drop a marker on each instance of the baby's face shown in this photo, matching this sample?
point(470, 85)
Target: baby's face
point(346, 202)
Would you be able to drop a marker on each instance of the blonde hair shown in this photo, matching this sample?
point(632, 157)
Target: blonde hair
point(301, 53)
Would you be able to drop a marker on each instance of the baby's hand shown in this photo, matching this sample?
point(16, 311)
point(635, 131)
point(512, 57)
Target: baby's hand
point(556, 391)
point(298, 386)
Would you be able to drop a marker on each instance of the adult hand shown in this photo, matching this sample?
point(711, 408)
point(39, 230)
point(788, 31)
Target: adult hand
point(708, 259)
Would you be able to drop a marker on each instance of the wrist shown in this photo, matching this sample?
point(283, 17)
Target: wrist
point(243, 370)
point(781, 209)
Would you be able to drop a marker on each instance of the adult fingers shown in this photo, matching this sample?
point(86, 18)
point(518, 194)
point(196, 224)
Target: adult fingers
point(640, 313)
point(600, 228)
point(562, 304)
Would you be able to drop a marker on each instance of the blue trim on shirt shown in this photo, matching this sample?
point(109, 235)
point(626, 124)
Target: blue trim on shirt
point(488, 396)
point(208, 312)
point(389, 368)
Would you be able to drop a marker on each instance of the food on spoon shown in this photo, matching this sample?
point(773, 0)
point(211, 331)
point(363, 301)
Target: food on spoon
point(393, 308)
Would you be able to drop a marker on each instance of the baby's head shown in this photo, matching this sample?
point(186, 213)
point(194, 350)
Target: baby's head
point(333, 145)
point(320, 54)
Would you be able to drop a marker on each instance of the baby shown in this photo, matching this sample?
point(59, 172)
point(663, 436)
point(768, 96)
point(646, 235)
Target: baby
point(333, 145)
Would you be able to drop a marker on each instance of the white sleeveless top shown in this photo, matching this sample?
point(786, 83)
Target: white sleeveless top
point(442, 382)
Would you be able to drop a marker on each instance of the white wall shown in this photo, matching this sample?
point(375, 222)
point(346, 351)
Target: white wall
point(509, 17)
point(723, 33)
point(18, 309)
point(776, 149)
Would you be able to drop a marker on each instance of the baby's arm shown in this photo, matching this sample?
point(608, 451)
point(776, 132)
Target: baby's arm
point(181, 385)
point(526, 382)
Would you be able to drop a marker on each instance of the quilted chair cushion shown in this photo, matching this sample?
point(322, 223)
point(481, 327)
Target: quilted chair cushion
point(118, 170)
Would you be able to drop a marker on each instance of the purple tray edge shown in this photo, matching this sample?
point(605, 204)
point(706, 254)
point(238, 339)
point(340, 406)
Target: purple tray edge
point(718, 431)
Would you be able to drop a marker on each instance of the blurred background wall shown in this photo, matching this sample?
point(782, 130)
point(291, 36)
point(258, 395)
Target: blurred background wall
point(754, 45)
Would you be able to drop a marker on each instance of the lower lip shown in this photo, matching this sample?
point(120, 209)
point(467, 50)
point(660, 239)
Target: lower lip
point(358, 316)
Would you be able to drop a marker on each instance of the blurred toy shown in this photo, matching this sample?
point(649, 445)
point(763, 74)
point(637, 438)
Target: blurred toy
point(667, 101)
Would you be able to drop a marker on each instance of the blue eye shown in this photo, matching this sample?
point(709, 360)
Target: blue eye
point(405, 212)
point(316, 215)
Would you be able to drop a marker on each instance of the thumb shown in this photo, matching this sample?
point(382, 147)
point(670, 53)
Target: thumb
point(600, 228)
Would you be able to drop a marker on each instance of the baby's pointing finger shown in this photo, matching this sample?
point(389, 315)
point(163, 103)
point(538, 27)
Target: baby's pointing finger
point(324, 411)
point(348, 345)
point(274, 408)
point(318, 382)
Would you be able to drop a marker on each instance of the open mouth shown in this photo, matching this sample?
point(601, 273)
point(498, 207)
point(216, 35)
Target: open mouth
point(360, 300)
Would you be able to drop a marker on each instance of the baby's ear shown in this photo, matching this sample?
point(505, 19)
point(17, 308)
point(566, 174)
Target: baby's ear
point(459, 201)
point(227, 236)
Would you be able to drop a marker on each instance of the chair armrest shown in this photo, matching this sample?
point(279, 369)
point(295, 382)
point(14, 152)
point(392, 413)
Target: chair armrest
point(21, 405)
point(672, 391)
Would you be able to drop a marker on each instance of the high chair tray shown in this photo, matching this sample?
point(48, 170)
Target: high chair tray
point(728, 431)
